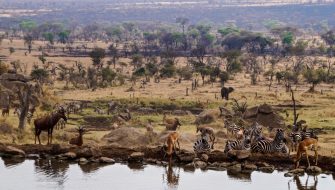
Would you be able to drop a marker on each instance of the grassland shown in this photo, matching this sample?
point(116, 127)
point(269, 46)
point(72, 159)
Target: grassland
point(316, 108)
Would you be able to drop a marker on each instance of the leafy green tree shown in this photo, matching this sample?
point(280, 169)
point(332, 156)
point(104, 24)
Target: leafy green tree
point(108, 75)
point(140, 72)
point(228, 30)
point(27, 25)
point(224, 77)
point(314, 77)
point(185, 72)
point(329, 37)
point(97, 55)
point(48, 36)
point(11, 50)
point(182, 21)
point(114, 53)
point(39, 74)
point(137, 60)
point(114, 32)
point(287, 38)
point(168, 70)
point(233, 63)
point(63, 36)
point(28, 41)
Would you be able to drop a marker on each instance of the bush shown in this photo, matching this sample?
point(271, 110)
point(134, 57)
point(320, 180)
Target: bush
point(169, 70)
point(108, 74)
point(3, 68)
point(140, 72)
point(5, 128)
point(185, 72)
point(39, 74)
point(224, 77)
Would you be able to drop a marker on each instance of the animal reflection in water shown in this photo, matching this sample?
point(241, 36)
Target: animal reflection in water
point(306, 186)
point(8, 162)
point(243, 176)
point(171, 176)
point(53, 169)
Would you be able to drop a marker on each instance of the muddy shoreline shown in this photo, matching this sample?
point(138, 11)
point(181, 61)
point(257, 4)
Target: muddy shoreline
point(216, 160)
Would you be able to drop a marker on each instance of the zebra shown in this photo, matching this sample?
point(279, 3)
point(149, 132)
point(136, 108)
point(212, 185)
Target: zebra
point(61, 124)
point(233, 128)
point(202, 146)
point(29, 116)
point(256, 133)
point(276, 145)
point(207, 131)
point(297, 137)
point(243, 144)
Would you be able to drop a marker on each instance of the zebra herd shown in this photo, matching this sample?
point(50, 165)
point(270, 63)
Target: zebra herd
point(253, 139)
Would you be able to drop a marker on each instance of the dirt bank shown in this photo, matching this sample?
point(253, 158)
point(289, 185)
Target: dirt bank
point(154, 155)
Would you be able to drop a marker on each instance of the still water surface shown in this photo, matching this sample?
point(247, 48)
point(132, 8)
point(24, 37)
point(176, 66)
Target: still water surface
point(54, 174)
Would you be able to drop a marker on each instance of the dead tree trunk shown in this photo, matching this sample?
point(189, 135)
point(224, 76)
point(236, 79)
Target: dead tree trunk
point(24, 98)
point(295, 115)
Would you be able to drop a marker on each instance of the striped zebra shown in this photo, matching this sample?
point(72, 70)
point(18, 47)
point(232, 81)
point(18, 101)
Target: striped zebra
point(233, 128)
point(202, 146)
point(297, 137)
point(243, 144)
point(207, 131)
point(29, 116)
point(256, 133)
point(61, 124)
point(276, 145)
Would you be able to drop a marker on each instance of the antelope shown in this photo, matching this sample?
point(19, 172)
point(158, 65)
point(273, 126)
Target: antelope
point(302, 149)
point(173, 126)
point(149, 126)
point(167, 120)
point(207, 131)
point(79, 139)
point(5, 111)
point(125, 116)
point(48, 123)
point(172, 141)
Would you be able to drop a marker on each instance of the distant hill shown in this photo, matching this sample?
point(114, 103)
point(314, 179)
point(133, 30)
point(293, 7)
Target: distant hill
point(250, 14)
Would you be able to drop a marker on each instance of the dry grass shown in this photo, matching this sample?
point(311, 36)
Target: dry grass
point(317, 111)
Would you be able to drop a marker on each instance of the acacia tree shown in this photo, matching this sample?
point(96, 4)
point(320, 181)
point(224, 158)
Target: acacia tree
point(183, 22)
point(114, 53)
point(28, 41)
point(97, 55)
point(314, 77)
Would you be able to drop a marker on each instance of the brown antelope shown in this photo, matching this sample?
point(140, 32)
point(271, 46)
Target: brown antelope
point(149, 126)
point(47, 123)
point(126, 116)
point(173, 126)
point(167, 120)
point(172, 142)
point(79, 139)
point(302, 149)
point(5, 111)
point(207, 131)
